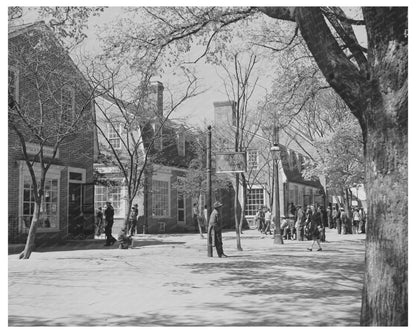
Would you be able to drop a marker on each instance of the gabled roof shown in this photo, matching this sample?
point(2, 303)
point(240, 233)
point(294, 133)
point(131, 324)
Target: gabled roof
point(293, 174)
point(18, 30)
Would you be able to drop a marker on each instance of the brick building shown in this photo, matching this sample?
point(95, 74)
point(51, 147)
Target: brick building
point(293, 153)
point(170, 149)
point(55, 99)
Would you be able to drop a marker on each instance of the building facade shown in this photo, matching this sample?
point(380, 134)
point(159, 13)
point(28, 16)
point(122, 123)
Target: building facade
point(293, 188)
point(63, 96)
point(168, 150)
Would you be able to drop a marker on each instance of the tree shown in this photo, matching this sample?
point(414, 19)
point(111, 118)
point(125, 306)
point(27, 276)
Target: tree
point(194, 184)
point(375, 89)
point(239, 85)
point(52, 107)
point(129, 131)
point(340, 157)
point(372, 81)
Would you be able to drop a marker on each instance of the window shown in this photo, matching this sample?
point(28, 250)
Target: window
point(181, 144)
point(255, 199)
point(67, 103)
point(181, 208)
point(111, 194)
point(252, 159)
point(114, 132)
point(13, 84)
point(160, 198)
point(51, 203)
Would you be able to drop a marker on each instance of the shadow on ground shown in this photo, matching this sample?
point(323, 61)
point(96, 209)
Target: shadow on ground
point(98, 244)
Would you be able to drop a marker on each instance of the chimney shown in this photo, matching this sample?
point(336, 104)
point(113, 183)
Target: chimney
point(225, 113)
point(156, 93)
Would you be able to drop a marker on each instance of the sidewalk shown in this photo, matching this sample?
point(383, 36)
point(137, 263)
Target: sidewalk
point(168, 280)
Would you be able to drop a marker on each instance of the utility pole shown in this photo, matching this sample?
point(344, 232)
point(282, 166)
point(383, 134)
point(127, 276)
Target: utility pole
point(209, 183)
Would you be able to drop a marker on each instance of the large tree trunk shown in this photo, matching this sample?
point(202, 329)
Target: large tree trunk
point(123, 237)
point(377, 95)
point(385, 300)
point(30, 241)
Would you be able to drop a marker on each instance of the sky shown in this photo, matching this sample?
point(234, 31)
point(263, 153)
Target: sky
point(197, 111)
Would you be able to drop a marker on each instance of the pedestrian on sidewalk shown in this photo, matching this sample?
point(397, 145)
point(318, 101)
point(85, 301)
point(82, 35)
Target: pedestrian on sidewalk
point(133, 220)
point(109, 221)
point(260, 219)
point(337, 217)
point(315, 228)
point(268, 221)
point(344, 221)
point(99, 221)
point(215, 229)
point(356, 218)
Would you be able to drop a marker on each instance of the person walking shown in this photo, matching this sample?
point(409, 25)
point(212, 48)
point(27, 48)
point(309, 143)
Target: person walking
point(356, 220)
point(99, 221)
point(268, 221)
point(315, 228)
point(344, 221)
point(109, 219)
point(215, 229)
point(330, 217)
point(195, 214)
point(133, 219)
point(260, 219)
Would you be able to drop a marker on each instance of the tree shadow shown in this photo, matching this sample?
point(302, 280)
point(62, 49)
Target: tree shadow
point(98, 244)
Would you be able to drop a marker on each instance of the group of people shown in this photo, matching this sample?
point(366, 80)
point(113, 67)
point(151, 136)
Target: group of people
point(338, 218)
point(309, 222)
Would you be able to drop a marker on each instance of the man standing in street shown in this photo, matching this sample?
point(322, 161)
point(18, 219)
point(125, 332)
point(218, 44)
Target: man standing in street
point(133, 219)
point(215, 229)
point(109, 219)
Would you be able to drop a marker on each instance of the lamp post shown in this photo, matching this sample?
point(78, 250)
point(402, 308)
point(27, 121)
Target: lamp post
point(275, 152)
point(209, 190)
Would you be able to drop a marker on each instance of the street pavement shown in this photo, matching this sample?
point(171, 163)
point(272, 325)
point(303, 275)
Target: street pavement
point(168, 280)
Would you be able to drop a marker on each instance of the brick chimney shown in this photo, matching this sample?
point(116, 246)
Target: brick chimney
point(156, 96)
point(225, 113)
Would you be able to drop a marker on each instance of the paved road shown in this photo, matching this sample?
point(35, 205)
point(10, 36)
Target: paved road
point(170, 281)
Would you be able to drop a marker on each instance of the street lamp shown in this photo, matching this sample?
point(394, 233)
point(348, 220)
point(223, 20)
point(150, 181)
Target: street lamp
point(275, 152)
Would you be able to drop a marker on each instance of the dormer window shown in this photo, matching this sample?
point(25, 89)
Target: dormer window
point(114, 132)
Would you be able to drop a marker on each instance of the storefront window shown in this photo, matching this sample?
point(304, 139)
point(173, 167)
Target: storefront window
point(51, 203)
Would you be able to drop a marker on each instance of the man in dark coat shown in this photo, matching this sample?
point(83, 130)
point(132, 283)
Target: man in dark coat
point(109, 219)
point(316, 227)
point(215, 229)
